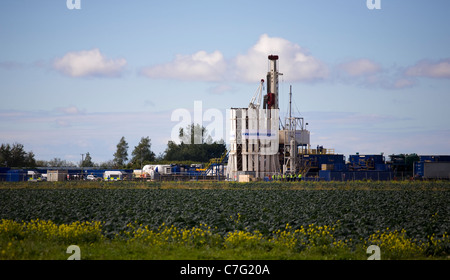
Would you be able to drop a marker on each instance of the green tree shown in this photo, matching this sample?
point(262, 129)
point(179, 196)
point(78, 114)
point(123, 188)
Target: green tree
point(30, 160)
point(142, 153)
point(187, 151)
point(410, 159)
point(121, 154)
point(404, 162)
point(16, 156)
point(87, 161)
point(5, 155)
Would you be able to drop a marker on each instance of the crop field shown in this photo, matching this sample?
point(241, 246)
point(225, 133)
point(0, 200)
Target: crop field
point(405, 219)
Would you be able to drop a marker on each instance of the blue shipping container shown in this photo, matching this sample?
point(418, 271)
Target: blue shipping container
point(3, 172)
point(329, 175)
point(16, 175)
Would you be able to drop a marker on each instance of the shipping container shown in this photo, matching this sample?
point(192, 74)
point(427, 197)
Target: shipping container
point(366, 162)
point(432, 170)
point(16, 175)
point(3, 173)
point(373, 175)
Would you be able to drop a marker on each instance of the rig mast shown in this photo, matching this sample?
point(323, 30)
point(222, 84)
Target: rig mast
point(258, 148)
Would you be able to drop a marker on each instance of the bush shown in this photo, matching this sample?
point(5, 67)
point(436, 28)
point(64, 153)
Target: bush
point(76, 232)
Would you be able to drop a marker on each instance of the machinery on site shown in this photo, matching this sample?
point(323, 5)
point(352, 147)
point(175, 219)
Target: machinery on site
point(260, 144)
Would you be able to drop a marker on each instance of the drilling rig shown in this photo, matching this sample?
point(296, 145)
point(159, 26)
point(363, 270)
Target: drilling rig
point(260, 145)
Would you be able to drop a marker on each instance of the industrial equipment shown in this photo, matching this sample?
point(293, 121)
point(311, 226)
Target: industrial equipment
point(258, 148)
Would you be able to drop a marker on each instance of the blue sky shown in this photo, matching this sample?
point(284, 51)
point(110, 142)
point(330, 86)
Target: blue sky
point(367, 81)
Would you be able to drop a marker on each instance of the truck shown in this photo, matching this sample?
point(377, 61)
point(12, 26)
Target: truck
point(34, 176)
point(114, 175)
point(153, 172)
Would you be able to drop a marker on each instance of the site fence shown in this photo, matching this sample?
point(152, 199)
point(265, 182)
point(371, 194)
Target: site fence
point(201, 176)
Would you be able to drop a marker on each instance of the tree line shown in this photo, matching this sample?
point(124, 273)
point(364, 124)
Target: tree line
point(184, 152)
point(15, 155)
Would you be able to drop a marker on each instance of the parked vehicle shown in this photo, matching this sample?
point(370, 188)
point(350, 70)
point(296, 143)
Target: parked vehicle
point(93, 178)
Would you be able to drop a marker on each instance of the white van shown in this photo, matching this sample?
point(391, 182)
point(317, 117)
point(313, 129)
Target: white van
point(113, 175)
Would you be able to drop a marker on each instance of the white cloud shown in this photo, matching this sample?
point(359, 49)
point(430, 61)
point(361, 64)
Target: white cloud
point(295, 62)
point(201, 66)
point(430, 69)
point(90, 63)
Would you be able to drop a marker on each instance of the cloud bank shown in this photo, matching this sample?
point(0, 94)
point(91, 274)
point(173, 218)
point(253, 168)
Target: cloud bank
point(89, 63)
point(297, 64)
point(250, 67)
point(199, 66)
